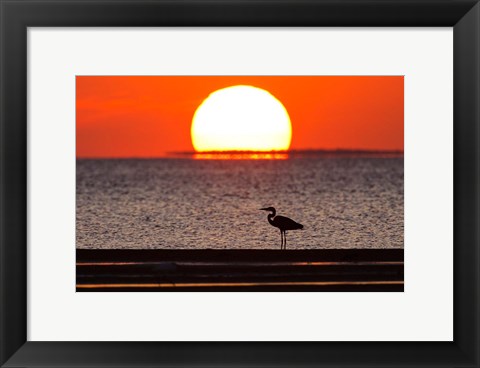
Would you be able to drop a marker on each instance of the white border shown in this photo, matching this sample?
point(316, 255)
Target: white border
point(423, 312)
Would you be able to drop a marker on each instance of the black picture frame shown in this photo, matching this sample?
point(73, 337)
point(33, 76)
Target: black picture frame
point(17, 15)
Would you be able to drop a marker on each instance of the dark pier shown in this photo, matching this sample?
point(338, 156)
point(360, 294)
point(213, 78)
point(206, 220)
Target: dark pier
point(330, 270)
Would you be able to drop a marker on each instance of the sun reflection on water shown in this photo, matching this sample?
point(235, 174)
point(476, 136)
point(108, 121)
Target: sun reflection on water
point(240, 156)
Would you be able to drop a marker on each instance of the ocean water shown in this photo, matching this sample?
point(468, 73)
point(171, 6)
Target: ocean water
point(343, 202)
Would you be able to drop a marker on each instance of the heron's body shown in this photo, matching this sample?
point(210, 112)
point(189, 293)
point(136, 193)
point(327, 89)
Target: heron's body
point(283, 223)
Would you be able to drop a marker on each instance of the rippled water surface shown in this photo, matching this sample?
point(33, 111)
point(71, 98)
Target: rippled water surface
point(184, 203)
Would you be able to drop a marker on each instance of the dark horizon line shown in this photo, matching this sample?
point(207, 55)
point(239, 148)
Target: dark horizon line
point(307, 150)
point(186, 154)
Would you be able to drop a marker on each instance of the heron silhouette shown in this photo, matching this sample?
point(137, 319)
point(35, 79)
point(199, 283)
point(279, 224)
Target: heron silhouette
point(283, 223)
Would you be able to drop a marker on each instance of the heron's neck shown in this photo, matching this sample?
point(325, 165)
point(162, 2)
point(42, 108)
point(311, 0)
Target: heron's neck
point(270, 217)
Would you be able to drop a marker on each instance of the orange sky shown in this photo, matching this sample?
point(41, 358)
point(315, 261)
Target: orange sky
point(149, 116)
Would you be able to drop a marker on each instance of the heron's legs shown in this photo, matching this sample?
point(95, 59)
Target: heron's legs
point(281, 239)
point(284, 239)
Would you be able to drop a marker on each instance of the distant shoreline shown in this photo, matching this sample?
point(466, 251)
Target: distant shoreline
point(308, 153)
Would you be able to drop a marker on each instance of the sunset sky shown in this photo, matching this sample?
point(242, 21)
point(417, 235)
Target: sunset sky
point(150, 116)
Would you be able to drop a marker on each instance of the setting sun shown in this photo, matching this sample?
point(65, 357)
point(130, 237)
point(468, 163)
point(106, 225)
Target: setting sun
point(241, 118)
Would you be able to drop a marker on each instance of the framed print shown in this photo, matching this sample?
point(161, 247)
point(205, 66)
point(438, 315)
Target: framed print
point(304, 173)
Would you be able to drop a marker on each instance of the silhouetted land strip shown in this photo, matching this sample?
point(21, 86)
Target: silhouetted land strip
point(240, 270)
point(296, 153)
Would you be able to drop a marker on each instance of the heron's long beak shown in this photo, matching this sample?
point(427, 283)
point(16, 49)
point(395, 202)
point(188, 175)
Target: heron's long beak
point(263, 209)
